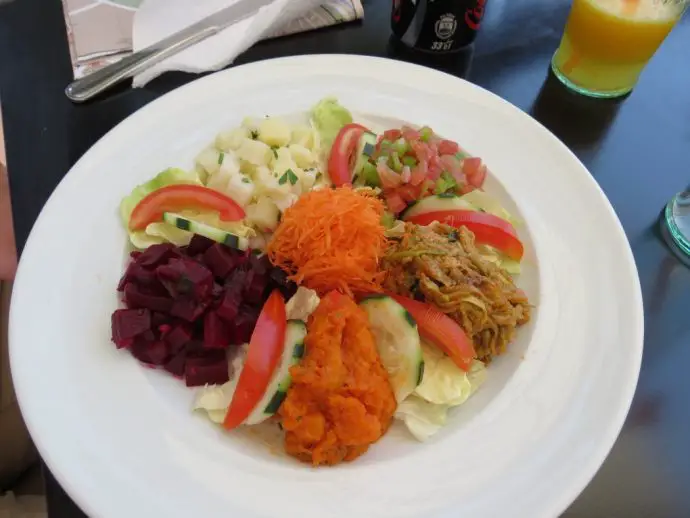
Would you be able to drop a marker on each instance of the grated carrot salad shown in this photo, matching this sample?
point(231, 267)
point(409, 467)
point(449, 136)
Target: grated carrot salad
point(332, 239)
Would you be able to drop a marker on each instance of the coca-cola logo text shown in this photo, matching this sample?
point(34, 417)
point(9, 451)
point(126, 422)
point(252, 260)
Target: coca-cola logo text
point(473, 17)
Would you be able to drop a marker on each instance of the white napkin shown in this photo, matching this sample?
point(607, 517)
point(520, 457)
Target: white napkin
point(157, 19)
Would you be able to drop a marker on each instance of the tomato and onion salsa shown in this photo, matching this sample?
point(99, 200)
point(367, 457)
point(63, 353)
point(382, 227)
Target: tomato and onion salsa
point(407, 164)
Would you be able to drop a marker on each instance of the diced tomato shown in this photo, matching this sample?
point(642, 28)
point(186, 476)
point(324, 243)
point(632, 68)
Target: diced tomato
point(175, 198)
point(487, 228)
point(418, 173)
point(421, 150)
point(406, 174)
point(471, 165)
point(410, 134)
point(263, 355)
point(392, 134)
point(388, 178)
point(426, 189)
point(451, 164)
point(434, 168)
point(447, 147)
point(440, 330)
point(342, 157)
point(408, 193)
point(474, 170)
point(395, 202)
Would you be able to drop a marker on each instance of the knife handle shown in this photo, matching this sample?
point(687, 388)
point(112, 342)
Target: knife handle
point(91, 85)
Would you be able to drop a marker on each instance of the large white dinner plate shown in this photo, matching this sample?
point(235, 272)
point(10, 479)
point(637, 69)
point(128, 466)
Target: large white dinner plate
point(122, 440)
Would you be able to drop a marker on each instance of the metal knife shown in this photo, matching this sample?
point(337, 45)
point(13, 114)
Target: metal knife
point(95, 83)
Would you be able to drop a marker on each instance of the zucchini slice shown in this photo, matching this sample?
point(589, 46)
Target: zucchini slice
point(216, 234)
point(398, 343)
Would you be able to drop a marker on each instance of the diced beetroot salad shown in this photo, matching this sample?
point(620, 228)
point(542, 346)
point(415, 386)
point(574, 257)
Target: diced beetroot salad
point(412, 164)
point(188, 308)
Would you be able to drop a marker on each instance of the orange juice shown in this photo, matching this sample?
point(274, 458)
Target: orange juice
point(607, 43)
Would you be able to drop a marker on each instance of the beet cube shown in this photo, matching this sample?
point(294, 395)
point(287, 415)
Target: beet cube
point(135, 298)
point(178, 337)
point(175, 365)
point(156, 255)
point(137, 274)
point(198, 245)
point(230, 305)
point(153, 353)
point(188, 309)
point(211, 369)
point(221, 260)
point(260, 264)
point(216, 334)
point(243, 325)
point(186, 277)
point(127, 324)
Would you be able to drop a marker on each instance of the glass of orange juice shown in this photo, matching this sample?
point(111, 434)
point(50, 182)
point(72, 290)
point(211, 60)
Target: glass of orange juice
point(607, 43)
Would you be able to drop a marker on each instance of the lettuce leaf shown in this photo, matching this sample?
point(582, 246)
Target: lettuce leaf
point(422, 419)
point(328, 117)
point(443, 386)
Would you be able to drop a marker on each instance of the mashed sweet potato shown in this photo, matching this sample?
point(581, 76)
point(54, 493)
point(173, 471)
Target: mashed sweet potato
point(340, 400)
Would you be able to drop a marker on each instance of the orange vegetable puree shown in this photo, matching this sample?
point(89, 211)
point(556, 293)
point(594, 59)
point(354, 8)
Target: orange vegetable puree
point(340, 400)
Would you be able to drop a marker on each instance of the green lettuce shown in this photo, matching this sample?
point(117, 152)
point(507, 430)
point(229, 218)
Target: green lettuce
point(328, 117)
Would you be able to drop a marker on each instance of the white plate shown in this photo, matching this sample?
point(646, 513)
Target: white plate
point(121, 438)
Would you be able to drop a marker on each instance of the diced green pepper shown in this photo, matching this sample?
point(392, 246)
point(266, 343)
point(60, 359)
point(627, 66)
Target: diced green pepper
point(426, 133)
point(409, 161)
point(445, 183)
point(385, 145)
point(370, 175)
point(401, 146)
point(395, 163)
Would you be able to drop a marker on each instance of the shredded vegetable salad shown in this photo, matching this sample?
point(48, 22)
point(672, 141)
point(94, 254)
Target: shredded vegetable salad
point(324, 278)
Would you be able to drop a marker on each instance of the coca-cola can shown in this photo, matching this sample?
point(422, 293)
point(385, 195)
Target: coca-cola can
point(437, 26)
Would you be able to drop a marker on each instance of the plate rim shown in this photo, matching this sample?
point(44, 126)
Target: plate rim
point(615, 425)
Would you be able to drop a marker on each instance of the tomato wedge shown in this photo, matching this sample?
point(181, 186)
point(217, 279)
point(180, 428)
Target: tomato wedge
point(263, 355)
point(175, 198)
point(487, 228)
point(342, 158)
point(441, 330)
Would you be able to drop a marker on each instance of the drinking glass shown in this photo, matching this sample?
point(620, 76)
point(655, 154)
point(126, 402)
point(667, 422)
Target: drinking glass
point(675, 225)
point(607, 43)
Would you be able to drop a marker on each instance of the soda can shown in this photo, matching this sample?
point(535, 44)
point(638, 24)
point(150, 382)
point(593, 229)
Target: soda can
point(437, 26)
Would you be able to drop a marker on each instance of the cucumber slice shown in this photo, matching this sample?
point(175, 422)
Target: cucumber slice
point(365, 151)
point(293, 351)
point(397, 341)
point(216, 234)
point(437, 203)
